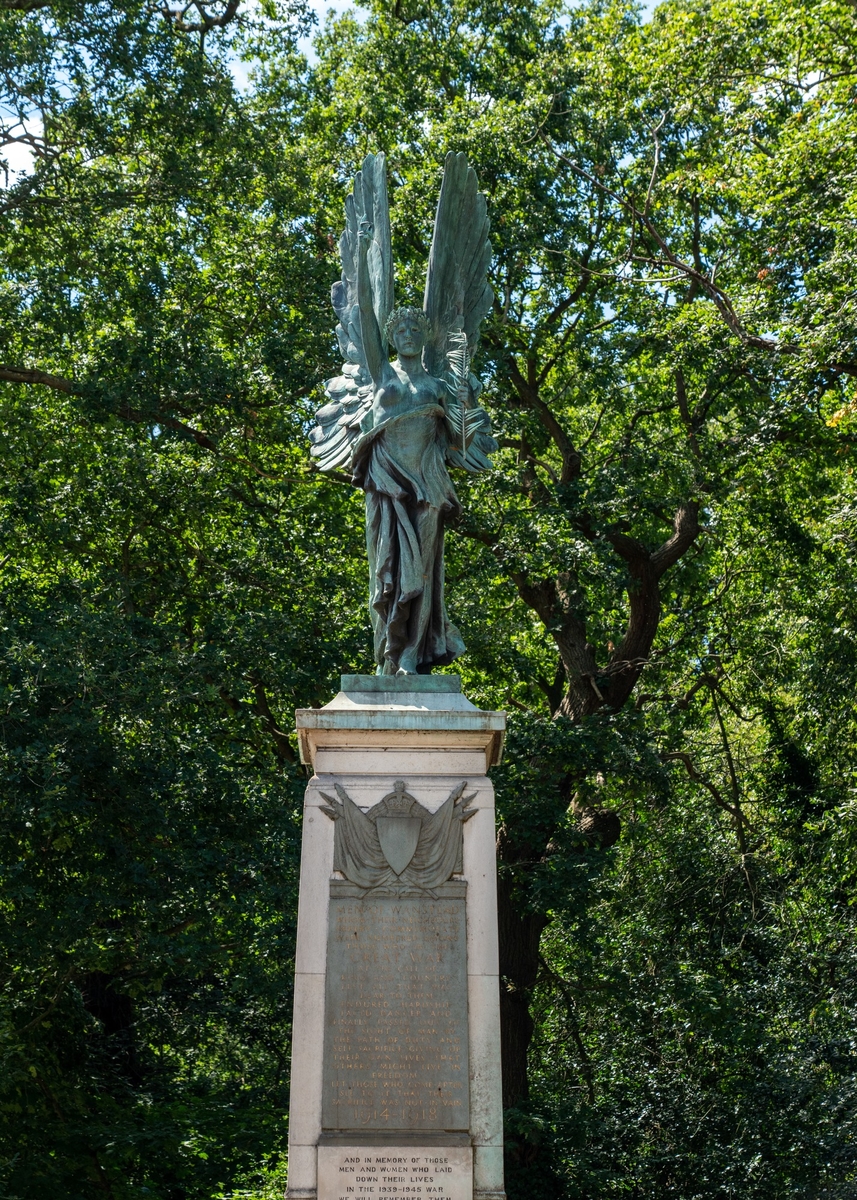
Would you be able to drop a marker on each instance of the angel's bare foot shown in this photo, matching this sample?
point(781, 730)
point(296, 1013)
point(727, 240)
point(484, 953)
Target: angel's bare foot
point(402, 671)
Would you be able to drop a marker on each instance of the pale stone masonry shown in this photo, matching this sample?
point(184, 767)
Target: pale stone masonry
point(396, 1089)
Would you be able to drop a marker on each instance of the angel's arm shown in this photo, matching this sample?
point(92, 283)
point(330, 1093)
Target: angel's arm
point(373, 342)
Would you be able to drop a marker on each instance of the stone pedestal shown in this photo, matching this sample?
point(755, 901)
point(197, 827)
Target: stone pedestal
point(396, 1090)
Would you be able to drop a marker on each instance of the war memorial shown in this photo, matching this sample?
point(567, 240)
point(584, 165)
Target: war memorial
point(396, 1086)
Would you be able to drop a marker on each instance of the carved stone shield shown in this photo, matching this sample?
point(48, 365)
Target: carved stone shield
point(398, 837)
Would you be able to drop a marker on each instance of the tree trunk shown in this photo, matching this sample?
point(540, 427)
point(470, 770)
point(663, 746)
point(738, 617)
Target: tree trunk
point(519, 965)
point(589, 688)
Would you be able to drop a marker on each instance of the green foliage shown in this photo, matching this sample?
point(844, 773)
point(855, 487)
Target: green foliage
point(671, 356)
point(167, 572)
point(703, 1020)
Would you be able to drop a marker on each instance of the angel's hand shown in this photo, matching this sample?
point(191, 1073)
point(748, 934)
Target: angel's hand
point(364, 232)
point(462, 395)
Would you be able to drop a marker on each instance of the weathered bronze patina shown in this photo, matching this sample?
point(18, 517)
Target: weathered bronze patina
point(400, 425)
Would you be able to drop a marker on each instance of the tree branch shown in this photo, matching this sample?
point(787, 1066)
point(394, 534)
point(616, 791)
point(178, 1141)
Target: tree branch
point(527, 389)
point(206, 23)
point(715, 293)
point(281, 739)
point(22, 375)
point(135, 415)
point(60, 384)
point(697, 777)
point(684, 413)
point(686, 530)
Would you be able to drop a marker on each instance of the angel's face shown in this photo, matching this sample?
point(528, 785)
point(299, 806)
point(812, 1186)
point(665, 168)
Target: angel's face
point(408, 337)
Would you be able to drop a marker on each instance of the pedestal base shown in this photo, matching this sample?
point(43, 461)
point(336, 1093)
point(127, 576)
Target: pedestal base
point(396, 1088)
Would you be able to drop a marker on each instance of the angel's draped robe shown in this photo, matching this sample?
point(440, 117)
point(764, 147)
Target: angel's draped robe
point(407, 503)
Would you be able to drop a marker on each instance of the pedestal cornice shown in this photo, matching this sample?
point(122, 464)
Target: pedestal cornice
point(400, 712)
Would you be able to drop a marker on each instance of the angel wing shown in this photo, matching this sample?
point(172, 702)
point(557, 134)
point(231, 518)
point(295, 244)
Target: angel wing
point(350, 393)
point(457, 299)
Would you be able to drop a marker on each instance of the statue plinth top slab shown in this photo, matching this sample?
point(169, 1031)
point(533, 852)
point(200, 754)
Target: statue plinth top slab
point(400, 683)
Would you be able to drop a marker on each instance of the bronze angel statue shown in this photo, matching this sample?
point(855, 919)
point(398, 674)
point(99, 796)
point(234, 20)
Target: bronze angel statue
point(399, 426)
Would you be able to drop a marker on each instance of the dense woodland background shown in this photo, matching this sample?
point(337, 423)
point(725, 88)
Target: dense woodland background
point(657, 581)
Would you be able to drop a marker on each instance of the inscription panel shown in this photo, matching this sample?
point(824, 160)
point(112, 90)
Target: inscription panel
point(395, 1046)
point(395, 1173)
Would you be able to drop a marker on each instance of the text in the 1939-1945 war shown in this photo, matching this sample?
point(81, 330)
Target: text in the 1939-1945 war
point(395, 1173)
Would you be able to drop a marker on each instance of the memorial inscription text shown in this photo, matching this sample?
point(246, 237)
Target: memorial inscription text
point(395, 1051)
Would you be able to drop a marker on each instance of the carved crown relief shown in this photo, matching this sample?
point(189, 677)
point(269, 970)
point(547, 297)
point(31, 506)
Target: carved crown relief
point(399, 843)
